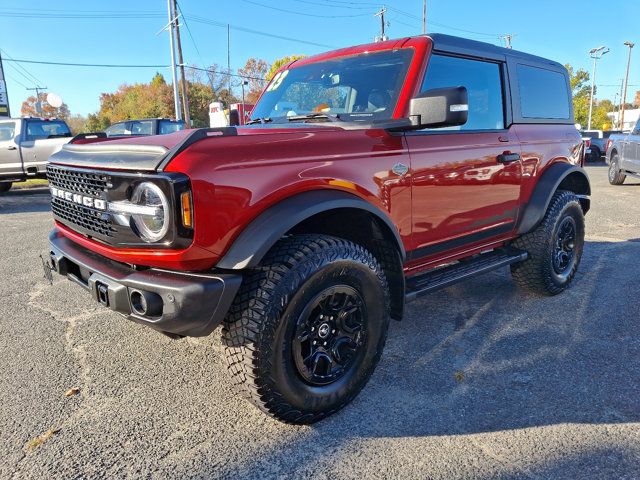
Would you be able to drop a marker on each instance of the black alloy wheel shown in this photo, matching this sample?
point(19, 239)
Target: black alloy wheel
point(330, 335)
point(565, 240)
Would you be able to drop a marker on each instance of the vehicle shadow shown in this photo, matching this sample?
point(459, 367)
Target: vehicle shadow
point(484, 356)
point(26, 200)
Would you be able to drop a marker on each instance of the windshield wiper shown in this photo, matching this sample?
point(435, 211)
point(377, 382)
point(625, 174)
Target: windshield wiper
point(314, 116)
point(259, 120)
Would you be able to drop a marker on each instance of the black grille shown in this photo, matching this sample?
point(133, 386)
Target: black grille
point(92, 184)
point(87, 183)
point(87, 218)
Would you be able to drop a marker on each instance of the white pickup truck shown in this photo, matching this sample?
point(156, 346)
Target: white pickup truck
point(623, 155)
point(25, 146)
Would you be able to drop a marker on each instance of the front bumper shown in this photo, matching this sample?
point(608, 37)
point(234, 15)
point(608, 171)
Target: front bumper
point(188, 304)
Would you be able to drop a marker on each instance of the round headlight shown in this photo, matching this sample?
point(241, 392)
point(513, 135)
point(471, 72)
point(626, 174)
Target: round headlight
point(153, 224)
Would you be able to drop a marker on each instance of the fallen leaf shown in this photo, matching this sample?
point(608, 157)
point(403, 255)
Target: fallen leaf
point(71, 392)
point(36, 442)
point(459, 376)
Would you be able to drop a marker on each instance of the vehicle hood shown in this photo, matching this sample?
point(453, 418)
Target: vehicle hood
point(151, 153)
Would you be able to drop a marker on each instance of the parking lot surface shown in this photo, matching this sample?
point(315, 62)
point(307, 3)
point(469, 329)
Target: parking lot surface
point(480, 380)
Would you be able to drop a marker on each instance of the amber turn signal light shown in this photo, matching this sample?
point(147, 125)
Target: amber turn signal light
point(187, 209)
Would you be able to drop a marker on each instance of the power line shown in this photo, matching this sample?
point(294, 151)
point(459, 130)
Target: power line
point(111, 65)
point(31, 78)
point(106, 65)
point(252, 2)
point(17, 81)
point(189, 31)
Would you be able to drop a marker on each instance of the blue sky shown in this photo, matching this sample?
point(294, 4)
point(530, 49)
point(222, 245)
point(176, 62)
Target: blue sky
point(95, 32)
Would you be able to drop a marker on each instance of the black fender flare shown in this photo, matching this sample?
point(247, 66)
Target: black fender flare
point(547, 185)
point(267, 228)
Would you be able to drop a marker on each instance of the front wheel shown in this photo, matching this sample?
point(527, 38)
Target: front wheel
point(616, 177)
point(308, 327)
point(554, 247)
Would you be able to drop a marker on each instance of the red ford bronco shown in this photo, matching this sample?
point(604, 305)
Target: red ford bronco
point(367, 177)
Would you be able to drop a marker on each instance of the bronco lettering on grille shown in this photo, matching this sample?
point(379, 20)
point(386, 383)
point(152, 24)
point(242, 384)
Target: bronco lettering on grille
point(79, 199)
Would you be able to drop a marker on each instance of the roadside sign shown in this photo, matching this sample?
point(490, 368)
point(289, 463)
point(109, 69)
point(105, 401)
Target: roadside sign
point(4, 99)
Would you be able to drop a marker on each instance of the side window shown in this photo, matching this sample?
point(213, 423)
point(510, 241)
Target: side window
point(118, 129)
point(38, 129)
point(142, 128)
point(170, 126)
point(483, 81)
point(7, 131)
point(543, 93)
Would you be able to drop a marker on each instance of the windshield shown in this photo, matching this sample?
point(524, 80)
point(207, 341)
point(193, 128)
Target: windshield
point(359, 87)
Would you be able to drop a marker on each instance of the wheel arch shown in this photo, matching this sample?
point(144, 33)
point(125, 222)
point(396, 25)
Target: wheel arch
point(559, 176)
point(330, 212)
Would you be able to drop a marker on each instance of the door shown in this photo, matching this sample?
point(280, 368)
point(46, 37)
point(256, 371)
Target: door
point(10, 162)
point(40, 140)
point(632, 149)
point(466, 180)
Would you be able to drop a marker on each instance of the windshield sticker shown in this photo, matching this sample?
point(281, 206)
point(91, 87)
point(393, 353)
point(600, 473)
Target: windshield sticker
point(277, 81)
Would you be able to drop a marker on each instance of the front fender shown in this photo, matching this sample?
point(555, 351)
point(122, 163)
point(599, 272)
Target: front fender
point(265, 230)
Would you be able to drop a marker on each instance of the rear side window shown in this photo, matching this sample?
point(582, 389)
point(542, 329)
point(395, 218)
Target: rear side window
point(118, 129)
point(39, 129)
point(144, 127)
point(483, 81)
point(543, 93)
point(170, 126)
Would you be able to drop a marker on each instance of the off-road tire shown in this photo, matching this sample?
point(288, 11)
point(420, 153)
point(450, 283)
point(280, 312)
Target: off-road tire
point(538, 273)
point(259, 331)
point(5, 186)
point(616, 177)
point(596, 155)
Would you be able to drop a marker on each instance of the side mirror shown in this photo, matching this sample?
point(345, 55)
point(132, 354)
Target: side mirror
point(439, 107)
point(234, 117)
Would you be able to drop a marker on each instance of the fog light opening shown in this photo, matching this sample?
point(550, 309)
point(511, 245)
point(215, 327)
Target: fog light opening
point(146, 304)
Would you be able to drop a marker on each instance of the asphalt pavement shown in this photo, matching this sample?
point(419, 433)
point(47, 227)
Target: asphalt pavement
point(480, 380)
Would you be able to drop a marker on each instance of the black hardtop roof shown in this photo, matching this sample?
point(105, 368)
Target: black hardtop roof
point(465, 46)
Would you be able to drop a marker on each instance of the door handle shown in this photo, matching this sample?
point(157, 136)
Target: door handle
point(12, 147)
point(508, 157)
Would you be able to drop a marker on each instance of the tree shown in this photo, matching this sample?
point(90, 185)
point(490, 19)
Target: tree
point(581, 90)
point(636, 100)
point(255, 72)
point(29, 108)
point(281, 62)
point(77, 123)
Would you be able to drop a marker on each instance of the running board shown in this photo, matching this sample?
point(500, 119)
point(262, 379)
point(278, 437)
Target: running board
point(443, 277)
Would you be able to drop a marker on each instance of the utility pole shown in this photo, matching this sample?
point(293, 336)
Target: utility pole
point(596, 54)
point(507, 39)
point(229, 59)
point(620, 104)
point(626, 80)
point(176, 95)
point(38, 102)
point(380, 14)
point(424, 17)
point(183, 79)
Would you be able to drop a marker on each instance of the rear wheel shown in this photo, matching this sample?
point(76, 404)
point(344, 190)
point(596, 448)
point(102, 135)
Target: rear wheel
point(308, 327)
point(554, 247)
point(5, 186)
point(616, 177)
point(595, 154)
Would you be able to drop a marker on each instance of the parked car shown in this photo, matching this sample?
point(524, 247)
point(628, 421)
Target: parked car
point(25, 146)
point(145, 126)
point(305, 232)
point(623, 156)
point(598, 142)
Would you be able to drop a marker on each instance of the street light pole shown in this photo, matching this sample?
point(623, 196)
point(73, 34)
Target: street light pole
point(626, 80)
point(596, 54)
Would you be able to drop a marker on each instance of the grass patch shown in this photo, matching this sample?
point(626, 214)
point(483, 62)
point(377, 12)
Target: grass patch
point(31, 183)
